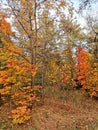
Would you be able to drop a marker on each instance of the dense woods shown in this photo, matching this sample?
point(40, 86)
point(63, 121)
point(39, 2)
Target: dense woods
point(43, 46)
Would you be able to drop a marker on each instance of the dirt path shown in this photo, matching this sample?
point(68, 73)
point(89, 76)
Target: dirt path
point(71, 112)
point(62, 115)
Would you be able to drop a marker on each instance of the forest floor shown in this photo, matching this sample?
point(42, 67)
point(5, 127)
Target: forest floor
point(62, 110)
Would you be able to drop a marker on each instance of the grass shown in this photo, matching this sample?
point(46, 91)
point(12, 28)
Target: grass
point(62, 110)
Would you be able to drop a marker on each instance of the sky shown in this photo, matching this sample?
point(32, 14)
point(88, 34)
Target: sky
point(90, 11)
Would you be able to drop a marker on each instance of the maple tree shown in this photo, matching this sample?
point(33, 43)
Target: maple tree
point(83, 66)
point(15, 74)
point(87, 73)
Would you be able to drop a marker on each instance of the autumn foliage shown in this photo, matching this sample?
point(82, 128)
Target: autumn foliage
point(44, 50)
point(87, 72)
point(15, 77)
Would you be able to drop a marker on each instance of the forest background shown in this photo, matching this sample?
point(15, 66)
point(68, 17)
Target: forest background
point(44, 47)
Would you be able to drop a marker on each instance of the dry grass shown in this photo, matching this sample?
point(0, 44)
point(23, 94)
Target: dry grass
point(62, 110)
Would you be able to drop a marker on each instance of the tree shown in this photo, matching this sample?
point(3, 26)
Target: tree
point(15, 72)
point(92, 36)
point(32, 19)
point(87, 72)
